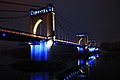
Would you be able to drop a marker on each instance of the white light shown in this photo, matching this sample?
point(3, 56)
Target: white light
point(92, 57)
point(32, 13)
point(86, 47)
point(96, 49)
point(49, 43)
point(36, 25)
point(29, 43)
point(78, 48)
point(92, 49)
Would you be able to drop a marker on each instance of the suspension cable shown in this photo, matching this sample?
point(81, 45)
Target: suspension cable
point(20, 4)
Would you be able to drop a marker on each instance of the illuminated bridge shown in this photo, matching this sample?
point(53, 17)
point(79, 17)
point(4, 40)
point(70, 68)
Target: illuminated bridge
point(41, 44)
point(16, 35)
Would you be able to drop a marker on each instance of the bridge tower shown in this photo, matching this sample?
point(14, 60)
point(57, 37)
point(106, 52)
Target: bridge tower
point(41, 51)
point(46, 15)
point(82, 39)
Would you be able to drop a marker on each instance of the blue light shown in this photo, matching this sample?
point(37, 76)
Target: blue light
point(82, 76)
point(97, 55)
point(55, 42)
point(34, 12)
point(92, 57)
point(67, 77)
point(39, 76)
point(3, 34)
point(40, 52)
point(91, 62)
point(91, 49)
point(81, 49)
point(81, 62)
point(96, 49)
point(64, 79)
point(71, 74)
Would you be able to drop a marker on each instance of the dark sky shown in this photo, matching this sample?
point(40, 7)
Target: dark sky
point(99, 18)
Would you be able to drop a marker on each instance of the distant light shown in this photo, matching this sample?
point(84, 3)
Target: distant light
point(49, 43)
point(81, 71)
point(91, 62)
point(97, 55)
point(81, 62)
point(81, 49)
point(81, 35)
point(55, 42)
point(92, 57)
point(78, 48)
point(67, 77)
point(29, 43)
point(64, 79)
point(91, 49)
point(82, 75)
point(96, 49)
point(86, 47)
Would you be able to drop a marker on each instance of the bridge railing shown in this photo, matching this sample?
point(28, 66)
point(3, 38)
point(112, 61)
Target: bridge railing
point(22, 33)
point(67, 42)
point(5, 31)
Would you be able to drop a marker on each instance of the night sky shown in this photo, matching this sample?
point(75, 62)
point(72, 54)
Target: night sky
point(99, 18)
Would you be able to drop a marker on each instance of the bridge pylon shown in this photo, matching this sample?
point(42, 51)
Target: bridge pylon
point(82, 39)
point(46, 15)
point(41, 52)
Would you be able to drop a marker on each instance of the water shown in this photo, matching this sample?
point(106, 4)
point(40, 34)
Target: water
point(75, 69)
point(103, 66)
point(108, 67)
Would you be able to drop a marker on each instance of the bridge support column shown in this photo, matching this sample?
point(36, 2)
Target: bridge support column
point(41, 51)
point(81, 49)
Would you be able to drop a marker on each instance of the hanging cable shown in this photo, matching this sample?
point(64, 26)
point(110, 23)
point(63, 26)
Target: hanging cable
point(12, 11)
point(13, 3)
point(67, 33)
point(70, 30)
point(11, 17)
point(70, 24)
point(20, 4)
point(60, 27)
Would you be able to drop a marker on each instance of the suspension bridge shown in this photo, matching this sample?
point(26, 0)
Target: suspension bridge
point(42, 38)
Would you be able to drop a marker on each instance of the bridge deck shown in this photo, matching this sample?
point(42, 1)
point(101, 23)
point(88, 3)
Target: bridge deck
point(16, 35)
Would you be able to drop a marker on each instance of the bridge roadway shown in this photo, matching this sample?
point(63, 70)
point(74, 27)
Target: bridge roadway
point(16, 35)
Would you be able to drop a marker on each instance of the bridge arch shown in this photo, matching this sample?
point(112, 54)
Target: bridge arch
point(82, 39)
point(36, 26)
point(40, 28)
point(49, 20)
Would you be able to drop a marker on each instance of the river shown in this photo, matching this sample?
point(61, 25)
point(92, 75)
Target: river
point(102, 66)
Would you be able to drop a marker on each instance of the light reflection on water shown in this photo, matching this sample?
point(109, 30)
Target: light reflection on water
point(83, 68)
point(40, 52)
point(39, 76)
point(42, 76)
point(80, 72)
